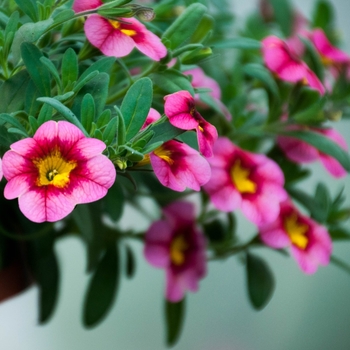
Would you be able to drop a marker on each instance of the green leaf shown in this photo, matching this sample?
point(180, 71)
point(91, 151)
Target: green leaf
point(121, 130)
point(63, 16)
point(174, 316)
point(64, 111)
point(45, 114)
point(31, 56)
point(238, 43)
point(103, 65)
point(172, 81)
point(31, 105)
point(136, 105)
point(110, 131)
point(6, 118)
point(29, 7)
point(164, 132)
point(323, 144)
point(28, 32)
point(260, 281)
point(322, 196)
point(52, 69)
point(114, 201)
point(339, 234)
point(87, 112)
point(130, 262)
point(323, 16)
point(283, 13)
point(69, 69)
point(12, 92)
point(103, 119)
point(10, 30)
point(182, 29)
point(203, 29)
point(102, 288)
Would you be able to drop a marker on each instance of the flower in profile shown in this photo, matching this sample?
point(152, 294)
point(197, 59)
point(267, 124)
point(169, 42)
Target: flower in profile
point(310, 242)
point(119, 37)
point(180, 108)
point(176, 245)
point(201, 80)
point(281, 61)
point(178, 166)
point(55, 170)
point(301, 152)
point(240, 179)
point(153, 116)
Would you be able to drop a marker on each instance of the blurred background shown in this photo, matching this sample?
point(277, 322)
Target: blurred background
point(306, 312)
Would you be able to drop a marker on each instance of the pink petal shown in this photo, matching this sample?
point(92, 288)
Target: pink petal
point(179, 213)
point(225, 198)
point(111, 41)
point(86, 148)
point(306, 264)
point(17, 186)
point(206, 138)
point(153, 116)
point(333, 166)
point(274, 235)
point(84, 5)
point(26, 147)
point(174, 287)
point(14, 164)
point(46, 136)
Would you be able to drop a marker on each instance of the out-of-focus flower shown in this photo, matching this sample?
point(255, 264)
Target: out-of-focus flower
point(301, 152)
point(119, 37)
point(310, 242)
point(178, 166)
point(181, 110)
point(240, 179)
point(281, 61)
point(176, 245)
point(201, 80)
point(55, 170)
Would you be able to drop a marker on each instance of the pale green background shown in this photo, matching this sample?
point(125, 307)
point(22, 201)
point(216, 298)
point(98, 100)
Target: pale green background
point(306, 312)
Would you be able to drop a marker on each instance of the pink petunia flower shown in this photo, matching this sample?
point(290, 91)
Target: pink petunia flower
point(310, 242)
point(176, 245)
point(281, 61)
point(153, 116)
point(240, 179)
point(178, 166)
point(119, 37)
point(180, 108)
point(301, 152)
point(201, 80)
point(55, 170)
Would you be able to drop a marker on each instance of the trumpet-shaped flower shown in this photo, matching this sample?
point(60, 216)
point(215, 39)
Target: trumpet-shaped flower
point(55, 170)
point(240, 179)
point(176, 245)
point(200, 80)
point(281, 61)
point(178, 166)
point(310, 242)
point(301, 152)
point(119, 37)
point(180, 108)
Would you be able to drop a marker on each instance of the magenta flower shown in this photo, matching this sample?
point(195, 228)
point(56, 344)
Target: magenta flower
point(200, 80)
point(180, 108)
point(55, 170)
point(178, 166)
point(176, 245)
point(310, 242)
point(281, 61)
point(301, 152)
point(240, 179)
point(119, 37)
point(153, 116)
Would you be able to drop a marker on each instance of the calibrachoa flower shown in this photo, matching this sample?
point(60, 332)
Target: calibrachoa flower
point(153, 115)
point(281, 61)
point(310, 242)
point(119, 37)
point(178, 166)
point(240, 179)
point(201, 80)
point(176, 245)
point(180, 108)
point(301, 152)
point(55, 170)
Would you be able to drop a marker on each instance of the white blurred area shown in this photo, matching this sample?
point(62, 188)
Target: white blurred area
point(305, 313)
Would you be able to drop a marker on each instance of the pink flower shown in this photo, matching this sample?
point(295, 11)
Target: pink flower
point(176, 245)
point(119, 37)
point(153, 116)
point(281, 61)
point(55, 170)
point(240, 179)
point(178, 166)
point(310, 242)
point(301, 152)
point(180, 108)
point(200, 80)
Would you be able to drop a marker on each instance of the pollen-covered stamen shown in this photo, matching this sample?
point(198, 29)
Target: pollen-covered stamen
point(165, 154)
point(178, 249)
point(296, 231)
point(54, 170)
point(118, 25)
point(240, 178)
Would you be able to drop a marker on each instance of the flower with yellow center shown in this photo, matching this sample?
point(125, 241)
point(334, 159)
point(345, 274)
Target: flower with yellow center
point(117, 25)
point(178, 249)
point(240, 178)
point(296, 231)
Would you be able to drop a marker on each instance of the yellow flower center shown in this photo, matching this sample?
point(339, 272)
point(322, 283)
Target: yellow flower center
point(296, 231)
point(165, 154)
point(326, 61)
point(116, 25)
point(240, 178)
point(54, 170)
point(178, 248)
